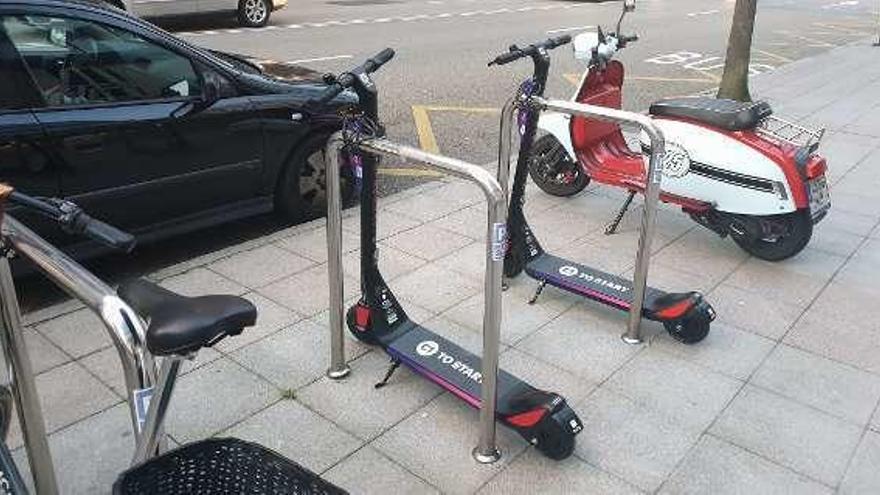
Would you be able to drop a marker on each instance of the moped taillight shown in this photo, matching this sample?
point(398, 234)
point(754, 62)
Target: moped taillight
point(816, 168)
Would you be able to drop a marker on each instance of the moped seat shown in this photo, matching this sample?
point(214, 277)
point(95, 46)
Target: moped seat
point(729, 115)
point(182, 325)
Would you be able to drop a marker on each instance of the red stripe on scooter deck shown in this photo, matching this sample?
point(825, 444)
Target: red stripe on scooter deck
point(588, 282)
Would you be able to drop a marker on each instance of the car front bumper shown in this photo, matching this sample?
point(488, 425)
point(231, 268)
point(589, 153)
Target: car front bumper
point(278, 4)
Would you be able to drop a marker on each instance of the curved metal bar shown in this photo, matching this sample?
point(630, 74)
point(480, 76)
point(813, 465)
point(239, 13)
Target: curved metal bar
point(505, 145)
point(486, 450)
point(124, 325)
point(652, 192)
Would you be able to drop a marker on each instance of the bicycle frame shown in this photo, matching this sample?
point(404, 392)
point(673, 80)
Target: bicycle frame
point(126, 330)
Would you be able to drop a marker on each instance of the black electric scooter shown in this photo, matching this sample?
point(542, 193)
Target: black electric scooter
point(686, 316)
point(542, 418)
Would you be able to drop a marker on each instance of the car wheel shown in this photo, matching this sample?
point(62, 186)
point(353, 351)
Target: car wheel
point(302, 188)
point(254, 13)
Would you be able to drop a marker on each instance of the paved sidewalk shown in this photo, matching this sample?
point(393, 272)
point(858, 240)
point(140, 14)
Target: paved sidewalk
point(781, 397)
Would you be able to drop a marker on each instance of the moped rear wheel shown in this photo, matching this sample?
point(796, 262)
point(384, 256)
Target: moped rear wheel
point(774, 237)
point(553, 170)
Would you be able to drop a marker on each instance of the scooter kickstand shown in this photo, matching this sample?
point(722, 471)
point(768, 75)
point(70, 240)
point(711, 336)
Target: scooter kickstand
point(612, 226)
point(395, 363)
point(538, 291)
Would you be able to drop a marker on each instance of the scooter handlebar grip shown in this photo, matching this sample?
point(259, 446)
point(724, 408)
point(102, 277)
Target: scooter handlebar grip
point(624, 39)
point(104, 233)
point(506, 58)
point(378, 60)
point(558, 41)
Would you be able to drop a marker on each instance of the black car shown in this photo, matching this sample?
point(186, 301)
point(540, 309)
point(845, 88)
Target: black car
point(147, 131)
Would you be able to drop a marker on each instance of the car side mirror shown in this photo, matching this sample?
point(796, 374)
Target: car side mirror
point(584, 45)
point(210, 92)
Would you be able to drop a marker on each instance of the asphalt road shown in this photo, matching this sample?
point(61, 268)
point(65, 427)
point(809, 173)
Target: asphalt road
point(438, 93)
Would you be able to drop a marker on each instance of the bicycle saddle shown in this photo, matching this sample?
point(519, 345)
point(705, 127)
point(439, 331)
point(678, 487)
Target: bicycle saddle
point(182, 325)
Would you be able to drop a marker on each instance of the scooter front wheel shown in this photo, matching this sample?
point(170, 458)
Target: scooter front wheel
point(775, 237)
point(553, 170)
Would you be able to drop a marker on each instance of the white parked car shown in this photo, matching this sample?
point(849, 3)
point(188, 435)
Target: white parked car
point(251, 13)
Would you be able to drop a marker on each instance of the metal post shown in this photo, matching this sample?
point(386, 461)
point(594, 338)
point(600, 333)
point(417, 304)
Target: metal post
point(124, 326)
point(24, 389)
point(332, 153)
point(152, 431)
point(486, 450)
point(505, 146)
point(652, 194)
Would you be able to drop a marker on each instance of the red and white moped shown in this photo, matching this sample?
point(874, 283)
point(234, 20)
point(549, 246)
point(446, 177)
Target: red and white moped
point(731, 166)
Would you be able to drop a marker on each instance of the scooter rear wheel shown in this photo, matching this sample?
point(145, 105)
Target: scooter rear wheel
point(776, 237)
point(553, 170)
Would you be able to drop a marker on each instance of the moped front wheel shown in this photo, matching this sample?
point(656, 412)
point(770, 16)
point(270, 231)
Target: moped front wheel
point(554, 171)
point(773, 237)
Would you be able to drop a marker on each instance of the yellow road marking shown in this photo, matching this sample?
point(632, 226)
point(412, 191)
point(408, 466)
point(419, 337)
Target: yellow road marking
point(774, 55)
point(409, 172)
point(424, 129)
point(574, 79)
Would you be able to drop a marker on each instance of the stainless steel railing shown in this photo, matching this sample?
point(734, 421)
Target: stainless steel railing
point(124, 326)
point(486, 450)
point(652, 190)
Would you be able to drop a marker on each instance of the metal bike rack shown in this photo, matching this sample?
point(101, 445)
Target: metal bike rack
point(486, 449)
point(124, 326)
point(652, 190)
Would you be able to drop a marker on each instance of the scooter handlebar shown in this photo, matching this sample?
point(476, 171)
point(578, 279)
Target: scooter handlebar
point(623, 39)
point(346, 79)
point(515, 53)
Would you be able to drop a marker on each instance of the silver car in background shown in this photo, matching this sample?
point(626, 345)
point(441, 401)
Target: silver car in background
point(251, 13)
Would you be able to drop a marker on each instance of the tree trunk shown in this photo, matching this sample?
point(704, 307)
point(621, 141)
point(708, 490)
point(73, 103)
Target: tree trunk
point(735, 81)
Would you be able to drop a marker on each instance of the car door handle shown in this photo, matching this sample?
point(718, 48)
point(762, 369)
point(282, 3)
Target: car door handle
point(90, 143)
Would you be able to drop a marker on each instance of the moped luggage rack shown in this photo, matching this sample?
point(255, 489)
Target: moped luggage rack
point(486, 450)
point(123, 324)
point(652, 190)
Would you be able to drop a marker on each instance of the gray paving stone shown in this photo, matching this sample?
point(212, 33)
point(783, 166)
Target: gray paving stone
point(659, 381)
point(469, 260)
point(560, 226)
point(368, 472)
point(69, 393)
point(674, 280)
point(89, 455)
point(388, 224)
point(702, 253)
point(720, 468)
point(43, 353)
point(580, 344)
point(863, 475)
point(533, 473)
point(78, 333)
point(40, 315)
point(754, 312)
point(436, 441)
point(434, 288)
point(852, 223)
point(545, 376)
point(469, 222)
point(797, 288)
point(519, 318)
point(835, 241)
point(105, 365)
point(294, 356)
point(586, 252)
point(726, 349)
point(875, 420)
point(427, 242)
point(298, 434)
point(214, 397)
point(808, 441)
point(260, 266)
point(313, 243)
point(200, 282)
point(427, 207)
point(842, 325)
point(307, 292)
point(631, 440)
point(357, 406)
point(392, 262)
point(834, 388)
point(271, 317)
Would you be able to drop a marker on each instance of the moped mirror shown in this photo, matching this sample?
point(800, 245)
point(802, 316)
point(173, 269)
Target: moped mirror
point(628, 6)
point(584, 44)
